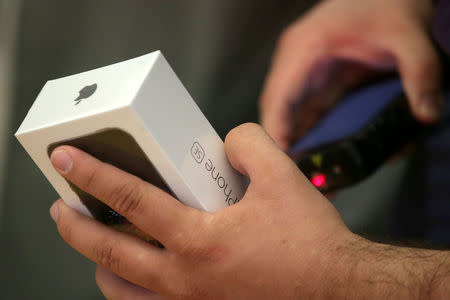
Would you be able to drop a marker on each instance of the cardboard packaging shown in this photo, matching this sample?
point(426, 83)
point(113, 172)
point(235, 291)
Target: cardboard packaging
point(138, 116)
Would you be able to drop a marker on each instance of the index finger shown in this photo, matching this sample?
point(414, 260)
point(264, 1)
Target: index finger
point(152, 210)
point(285, 82)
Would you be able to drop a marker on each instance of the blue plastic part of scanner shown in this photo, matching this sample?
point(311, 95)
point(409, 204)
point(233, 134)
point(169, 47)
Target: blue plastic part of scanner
point(350, 115)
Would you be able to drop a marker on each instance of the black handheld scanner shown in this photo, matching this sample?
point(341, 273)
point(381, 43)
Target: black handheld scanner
point(357, 137)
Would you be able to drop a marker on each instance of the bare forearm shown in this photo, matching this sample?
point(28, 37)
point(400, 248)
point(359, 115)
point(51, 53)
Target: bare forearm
point(378, 271)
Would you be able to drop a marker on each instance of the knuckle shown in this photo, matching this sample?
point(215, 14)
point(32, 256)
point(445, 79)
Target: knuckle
point(191, 247)
point(201, 248)
point(105, 255)
point(321, 42)
point(313, 43)
point(238, 133)
point(91, 179)
point(126, 198)
point(65, 230)
point(185, 243)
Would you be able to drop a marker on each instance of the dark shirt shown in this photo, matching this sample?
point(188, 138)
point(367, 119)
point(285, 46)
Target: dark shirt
point(423, 211)
point(441, 25)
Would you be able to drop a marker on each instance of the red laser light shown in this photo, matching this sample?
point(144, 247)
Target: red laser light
point(318, 180)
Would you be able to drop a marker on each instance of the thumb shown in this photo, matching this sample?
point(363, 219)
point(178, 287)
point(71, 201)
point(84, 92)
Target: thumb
point(420, 69)
point(253, 153)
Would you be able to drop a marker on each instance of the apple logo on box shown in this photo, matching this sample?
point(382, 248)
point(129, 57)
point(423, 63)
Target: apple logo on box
point(86, 92)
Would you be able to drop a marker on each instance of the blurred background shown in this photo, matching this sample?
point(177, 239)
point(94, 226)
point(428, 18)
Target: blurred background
point(220, 50)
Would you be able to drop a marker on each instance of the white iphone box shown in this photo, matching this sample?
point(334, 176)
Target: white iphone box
point(137, 116)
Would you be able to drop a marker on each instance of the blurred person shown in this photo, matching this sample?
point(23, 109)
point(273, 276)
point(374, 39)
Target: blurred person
point(340, 44)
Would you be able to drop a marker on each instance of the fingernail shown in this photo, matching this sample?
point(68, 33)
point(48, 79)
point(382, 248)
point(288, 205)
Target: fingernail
point(54, 212)
point(431, 106)
point(62, 161)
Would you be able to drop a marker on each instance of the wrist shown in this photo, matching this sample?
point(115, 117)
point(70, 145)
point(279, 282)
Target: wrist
point(364, 268)
point(377, 271)
point(338, 268)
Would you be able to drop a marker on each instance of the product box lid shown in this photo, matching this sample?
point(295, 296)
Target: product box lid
point(105, 89)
